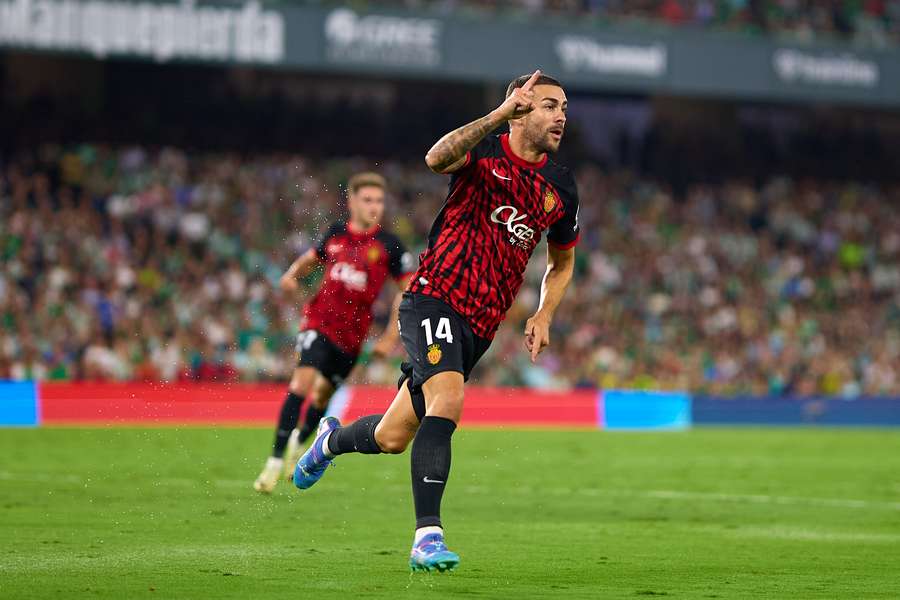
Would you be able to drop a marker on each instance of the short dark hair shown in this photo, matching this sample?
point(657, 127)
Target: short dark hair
point(541, 80)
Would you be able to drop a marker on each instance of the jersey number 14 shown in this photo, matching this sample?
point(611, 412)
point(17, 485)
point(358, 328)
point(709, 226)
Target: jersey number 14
point(442, 332)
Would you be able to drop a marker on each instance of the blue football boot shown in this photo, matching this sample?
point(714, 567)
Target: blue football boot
point(313, 463)
point(431, 554)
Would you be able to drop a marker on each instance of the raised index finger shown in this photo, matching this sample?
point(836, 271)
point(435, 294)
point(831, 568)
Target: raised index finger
point(531, 81)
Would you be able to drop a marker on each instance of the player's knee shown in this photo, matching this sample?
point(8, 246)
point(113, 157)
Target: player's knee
point(390, 442)
point(392, 445)
point(302, 383)
point(320, 401)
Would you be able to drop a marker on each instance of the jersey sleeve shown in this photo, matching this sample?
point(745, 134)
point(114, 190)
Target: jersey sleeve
point(565, 232)
point(400, 259)
point(323, 241)
point(482, 149)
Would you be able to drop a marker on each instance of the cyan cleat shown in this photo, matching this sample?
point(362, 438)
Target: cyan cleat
point(431, 554)
point(313, 463)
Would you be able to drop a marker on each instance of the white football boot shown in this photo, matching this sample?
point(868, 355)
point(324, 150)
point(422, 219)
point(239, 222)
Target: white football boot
point(268, 479)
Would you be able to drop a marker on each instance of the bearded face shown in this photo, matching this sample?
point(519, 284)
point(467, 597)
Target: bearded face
point(543, 127)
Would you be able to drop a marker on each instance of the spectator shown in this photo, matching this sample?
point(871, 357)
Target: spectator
point(157, 265)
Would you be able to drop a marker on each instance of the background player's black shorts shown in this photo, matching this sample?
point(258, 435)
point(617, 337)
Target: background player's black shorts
point(436, 339)
point(317, 351)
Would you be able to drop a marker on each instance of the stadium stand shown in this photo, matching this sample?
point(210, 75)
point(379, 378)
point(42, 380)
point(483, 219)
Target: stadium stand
point(862, 22)
point(782, 286)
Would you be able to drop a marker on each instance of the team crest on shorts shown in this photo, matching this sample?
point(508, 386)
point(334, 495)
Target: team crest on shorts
point(434, 354)
point(549, 201)
point(374, 254)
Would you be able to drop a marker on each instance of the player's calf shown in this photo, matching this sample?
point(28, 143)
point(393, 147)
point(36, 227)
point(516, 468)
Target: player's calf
point(373, 434)
point(359, 436)
point(287, 421)
point(292, 454)
point(431, 466)
point(399, 424)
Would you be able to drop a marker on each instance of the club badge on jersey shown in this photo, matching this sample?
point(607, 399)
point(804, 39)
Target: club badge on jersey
point(549, 201)
point(434, 354)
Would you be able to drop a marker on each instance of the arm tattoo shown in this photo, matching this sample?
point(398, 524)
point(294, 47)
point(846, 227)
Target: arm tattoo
point(453, 146)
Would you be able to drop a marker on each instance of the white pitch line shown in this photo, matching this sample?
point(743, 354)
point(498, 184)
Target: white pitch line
point(768, 499)
point(701, 496)
point(74, 479)
point(811, 535)
point(523, 490)
point(40, 477)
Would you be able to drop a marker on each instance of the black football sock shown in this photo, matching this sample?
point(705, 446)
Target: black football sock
point(358, 436)
point(314, 414)
point(290, 413)
point(431, 468)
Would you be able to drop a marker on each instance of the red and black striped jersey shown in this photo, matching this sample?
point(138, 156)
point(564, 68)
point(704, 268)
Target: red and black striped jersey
point(498, 205)
point(356, 267)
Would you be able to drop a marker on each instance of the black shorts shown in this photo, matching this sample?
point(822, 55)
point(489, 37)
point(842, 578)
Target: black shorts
point(317, 351)
point(436, 340)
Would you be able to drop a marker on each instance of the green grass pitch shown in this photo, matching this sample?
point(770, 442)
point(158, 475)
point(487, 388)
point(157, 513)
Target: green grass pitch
point(709, 513)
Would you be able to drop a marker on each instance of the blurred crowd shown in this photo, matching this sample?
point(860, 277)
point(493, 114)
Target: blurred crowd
point(867, 22)
point(132, 264)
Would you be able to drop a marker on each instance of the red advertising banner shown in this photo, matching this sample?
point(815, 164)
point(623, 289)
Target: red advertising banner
point(180, 403)
point(162, 403)
point(497, 406)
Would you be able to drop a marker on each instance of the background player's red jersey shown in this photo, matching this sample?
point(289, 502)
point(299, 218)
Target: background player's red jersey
point(481, 241)
point(356, 267)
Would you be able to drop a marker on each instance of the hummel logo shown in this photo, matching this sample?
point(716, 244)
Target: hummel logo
point(499, 176)
point(426, 480)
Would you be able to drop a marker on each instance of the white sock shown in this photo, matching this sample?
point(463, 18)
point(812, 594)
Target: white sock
point(325, 449)
point(273, 462)
point(423, 531)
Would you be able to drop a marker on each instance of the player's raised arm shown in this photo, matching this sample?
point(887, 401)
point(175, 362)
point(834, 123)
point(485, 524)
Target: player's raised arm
point(449, 153)
point(560, 266)
point(299, 269)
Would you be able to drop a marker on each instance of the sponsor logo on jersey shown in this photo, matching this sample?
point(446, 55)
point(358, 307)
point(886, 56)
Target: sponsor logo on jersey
point(347, 274)
point(373, 254)
point(434, 354)
point(549, 201)
point(520, 234)
point(334, 248)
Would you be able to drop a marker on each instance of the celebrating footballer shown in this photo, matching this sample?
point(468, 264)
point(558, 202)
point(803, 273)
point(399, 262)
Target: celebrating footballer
point(504, 193)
